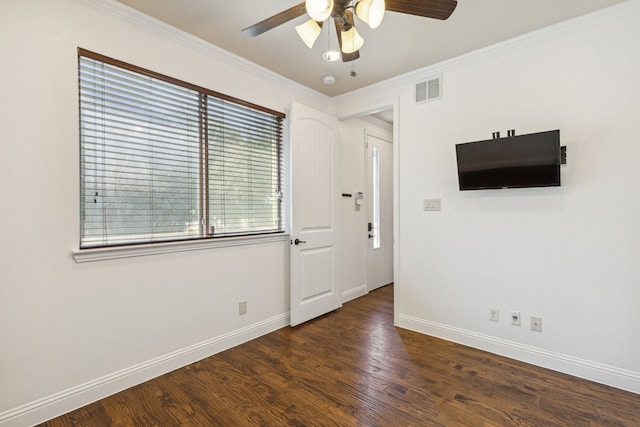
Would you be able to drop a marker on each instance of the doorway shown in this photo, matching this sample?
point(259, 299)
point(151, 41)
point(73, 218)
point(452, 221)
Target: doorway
point(367, 183)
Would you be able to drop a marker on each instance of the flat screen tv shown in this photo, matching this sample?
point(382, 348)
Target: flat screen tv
point(531, 160)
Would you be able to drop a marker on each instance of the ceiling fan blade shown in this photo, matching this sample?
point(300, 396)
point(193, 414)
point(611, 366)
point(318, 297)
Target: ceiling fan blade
point(436, 9)
point(346, 57)
point(275, 20)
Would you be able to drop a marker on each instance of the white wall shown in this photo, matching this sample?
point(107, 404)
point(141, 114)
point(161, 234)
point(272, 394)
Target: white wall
point(70, 332)
point(568, 254)
point(354, 233)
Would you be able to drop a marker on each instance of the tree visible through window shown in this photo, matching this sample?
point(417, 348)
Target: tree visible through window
point(164, 160)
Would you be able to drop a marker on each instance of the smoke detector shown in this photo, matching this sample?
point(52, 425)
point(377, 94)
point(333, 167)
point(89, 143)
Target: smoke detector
point(329, 80)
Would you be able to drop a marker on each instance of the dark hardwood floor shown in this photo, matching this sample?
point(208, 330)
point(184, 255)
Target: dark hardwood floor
point(352, 367)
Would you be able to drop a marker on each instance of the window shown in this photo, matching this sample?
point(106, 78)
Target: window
point(162, 160)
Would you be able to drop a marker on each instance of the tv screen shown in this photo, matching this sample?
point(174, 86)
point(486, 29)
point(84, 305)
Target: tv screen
point(531, 160)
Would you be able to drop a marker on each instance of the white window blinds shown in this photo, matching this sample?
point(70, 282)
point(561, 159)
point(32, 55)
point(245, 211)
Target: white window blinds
point(164, 160)
point(245, 164)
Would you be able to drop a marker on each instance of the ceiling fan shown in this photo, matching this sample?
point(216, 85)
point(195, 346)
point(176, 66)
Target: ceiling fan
point(342, 12)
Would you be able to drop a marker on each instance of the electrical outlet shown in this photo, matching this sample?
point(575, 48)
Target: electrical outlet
point(242, 307)
point(536, 324)
point(515, 318)
point(494, 314)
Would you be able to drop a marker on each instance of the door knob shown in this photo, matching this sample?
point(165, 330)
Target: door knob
point(298, 241)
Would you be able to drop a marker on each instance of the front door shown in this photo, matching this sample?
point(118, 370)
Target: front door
point(315, 194)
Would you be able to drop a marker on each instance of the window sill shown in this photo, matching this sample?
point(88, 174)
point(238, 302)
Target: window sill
point(101, 254)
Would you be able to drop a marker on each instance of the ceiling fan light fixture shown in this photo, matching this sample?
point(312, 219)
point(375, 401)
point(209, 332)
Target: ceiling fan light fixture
point(351, 41)
point(309, 32)
point(331, 55)
point(371, 12)
point(319, 10)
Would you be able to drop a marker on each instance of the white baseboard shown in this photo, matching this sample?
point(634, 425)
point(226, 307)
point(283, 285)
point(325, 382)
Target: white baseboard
point(593, 371)
point(65, 401)
point(354, 293)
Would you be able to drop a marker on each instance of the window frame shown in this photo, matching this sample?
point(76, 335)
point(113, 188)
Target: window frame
point(118, 250)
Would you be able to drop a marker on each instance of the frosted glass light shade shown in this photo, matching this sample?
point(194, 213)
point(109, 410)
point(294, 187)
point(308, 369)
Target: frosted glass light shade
point(331, 55)
point(371, 12)
point(351, 41)
point(319, 10)
point(309, 32)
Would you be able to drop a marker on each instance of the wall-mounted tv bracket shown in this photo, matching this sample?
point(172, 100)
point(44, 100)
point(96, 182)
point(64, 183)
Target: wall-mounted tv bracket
point(496, 135)
point(512, 132)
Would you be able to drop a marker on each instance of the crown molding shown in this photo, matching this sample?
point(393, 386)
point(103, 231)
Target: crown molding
point(138, 19)
point(552, 32)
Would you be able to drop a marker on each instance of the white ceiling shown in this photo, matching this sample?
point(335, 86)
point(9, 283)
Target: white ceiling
point(403, 43)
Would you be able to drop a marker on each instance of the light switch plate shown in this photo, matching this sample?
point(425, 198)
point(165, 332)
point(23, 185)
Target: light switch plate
point(432, 204)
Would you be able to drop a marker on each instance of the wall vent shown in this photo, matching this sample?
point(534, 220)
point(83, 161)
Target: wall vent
point(428, 90)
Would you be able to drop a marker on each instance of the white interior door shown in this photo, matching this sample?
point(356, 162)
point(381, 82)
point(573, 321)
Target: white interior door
point(380, 211)
point(315, 214)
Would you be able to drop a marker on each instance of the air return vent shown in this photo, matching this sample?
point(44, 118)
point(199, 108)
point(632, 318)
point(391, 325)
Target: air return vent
point(429, 90)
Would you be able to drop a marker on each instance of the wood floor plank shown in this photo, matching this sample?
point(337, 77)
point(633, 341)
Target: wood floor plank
point(352, 367)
